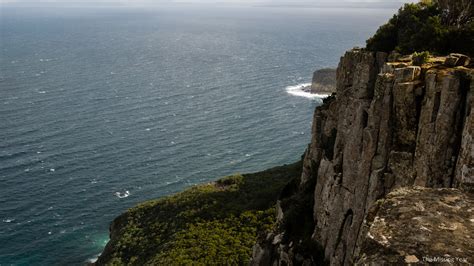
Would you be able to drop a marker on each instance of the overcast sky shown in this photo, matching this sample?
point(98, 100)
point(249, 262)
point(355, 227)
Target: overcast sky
point(289, 2)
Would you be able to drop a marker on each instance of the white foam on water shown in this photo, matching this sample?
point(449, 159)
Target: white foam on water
point(8, 220)
point(122, 195)
point(299, 90)
point(93, 259)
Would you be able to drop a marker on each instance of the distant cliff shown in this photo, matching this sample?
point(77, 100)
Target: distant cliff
point(324, 81)
point(390, 125)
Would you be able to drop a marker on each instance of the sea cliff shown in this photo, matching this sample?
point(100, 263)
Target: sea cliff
point(387, 178)
point(391, 125)
point(324, 81)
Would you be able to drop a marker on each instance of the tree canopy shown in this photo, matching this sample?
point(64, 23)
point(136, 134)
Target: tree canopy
point(437, 26)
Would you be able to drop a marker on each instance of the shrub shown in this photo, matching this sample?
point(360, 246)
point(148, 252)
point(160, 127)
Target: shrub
point(420, 58)
point(211, 224)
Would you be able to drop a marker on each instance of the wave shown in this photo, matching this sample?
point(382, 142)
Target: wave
point(122, 195)
point(93, 259)
point(301, 90)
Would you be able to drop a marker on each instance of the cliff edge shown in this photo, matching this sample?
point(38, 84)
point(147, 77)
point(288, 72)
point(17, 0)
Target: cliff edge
point(390, 125)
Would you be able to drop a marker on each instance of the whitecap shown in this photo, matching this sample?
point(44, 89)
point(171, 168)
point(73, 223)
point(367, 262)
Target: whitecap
point(8, 220)
point(299, 90)
point(52, 170)
point(42, 92)
point(94, 259)
point(122, 195)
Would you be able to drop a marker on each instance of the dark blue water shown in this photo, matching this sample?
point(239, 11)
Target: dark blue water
point(103, 108)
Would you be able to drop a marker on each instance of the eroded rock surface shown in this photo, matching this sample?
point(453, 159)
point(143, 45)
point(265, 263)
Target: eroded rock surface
point(420, 225)
point(390, 125)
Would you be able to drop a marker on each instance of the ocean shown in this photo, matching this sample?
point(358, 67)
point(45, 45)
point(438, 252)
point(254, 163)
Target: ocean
point(105, 107)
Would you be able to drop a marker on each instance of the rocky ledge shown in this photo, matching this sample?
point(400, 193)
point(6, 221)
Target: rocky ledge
point(420, 225)
point(390, 125)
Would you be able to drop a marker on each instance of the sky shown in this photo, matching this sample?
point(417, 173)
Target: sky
point(289, 2)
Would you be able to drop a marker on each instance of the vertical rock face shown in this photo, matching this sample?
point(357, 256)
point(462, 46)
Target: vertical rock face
point(324, 81)
point(390, 125)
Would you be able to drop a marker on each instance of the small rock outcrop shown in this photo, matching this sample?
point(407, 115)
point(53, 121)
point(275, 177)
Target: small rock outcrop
point(420, 225)
point(390, 125)
point(324, 81)
point(454, 60)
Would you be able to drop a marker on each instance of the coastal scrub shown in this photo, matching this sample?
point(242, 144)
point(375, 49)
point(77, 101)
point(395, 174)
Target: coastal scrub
point(214, 223)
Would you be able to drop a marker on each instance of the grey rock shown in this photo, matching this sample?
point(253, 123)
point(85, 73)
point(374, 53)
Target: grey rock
point(406, 74)
point(420, 225)
point(451, 61)
point(454, 60)
point(391, 125)
point(324, 81)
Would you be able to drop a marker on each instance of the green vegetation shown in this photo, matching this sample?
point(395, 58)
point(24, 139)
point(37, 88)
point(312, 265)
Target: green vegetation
point(420, 58)
point(216, 223)
point(437, 26)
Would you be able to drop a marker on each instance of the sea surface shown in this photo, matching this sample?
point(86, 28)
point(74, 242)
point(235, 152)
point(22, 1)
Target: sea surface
point(104, 107)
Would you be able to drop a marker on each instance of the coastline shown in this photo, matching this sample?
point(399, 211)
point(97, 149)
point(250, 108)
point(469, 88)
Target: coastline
point(228, 215)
